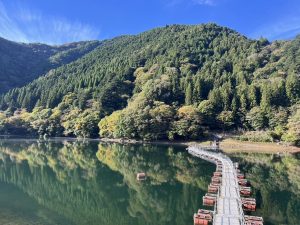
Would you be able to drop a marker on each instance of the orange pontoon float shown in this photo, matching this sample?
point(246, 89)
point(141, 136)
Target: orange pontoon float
point(249, 204)
point(209, 199)
point(253, 220)
point(213, 188)
point(217, 174)
point(246, 191)
point(200, 220)
point(216, 180)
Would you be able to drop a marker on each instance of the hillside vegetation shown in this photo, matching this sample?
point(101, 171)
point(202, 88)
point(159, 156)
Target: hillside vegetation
point(22, 63)
point(174, 82)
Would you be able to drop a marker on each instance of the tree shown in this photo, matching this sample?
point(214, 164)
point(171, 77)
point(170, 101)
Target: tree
point(293, 133)
point(278, 117)
point(215, 99)
point(188, 124)
point(256, 118)
point(86, 124)
point(161, 117)
point(265, 102)
point(188, 94)
point(19, 123)
point(108, 126)
point(208, 111)
point(68, 121)
point(227, 119)
point(226, 94)
point(55, 128)
point(293, 87)
point(253, 96)
point(198, 94)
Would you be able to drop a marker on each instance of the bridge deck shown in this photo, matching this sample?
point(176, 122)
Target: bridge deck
point(228, 209)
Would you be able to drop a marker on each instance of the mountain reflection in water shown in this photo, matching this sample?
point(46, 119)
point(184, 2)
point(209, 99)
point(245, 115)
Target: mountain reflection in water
point(69, 182)
point(86, 183)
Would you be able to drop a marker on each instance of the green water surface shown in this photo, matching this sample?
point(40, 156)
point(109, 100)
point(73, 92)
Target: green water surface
point(67, 182)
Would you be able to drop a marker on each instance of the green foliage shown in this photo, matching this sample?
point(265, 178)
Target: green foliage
point(188, 95)
point(66, 119)
point(80, 123)
point(278, 132)
point(146, 120)
point(293, 87)
point(293, 133)
point(265, 103)
point(256, 136)
point(208, 110)
point(187, 125)
point(109, 125)
point(22, 63)
point(278, 117)
point(256, 118)
point(227, 119)
point(236, 83)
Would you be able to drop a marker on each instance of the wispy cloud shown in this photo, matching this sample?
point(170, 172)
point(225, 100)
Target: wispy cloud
point(191, 2)
point(27, 25)
point(8, 27)
point(205, 2)
point(286, 28)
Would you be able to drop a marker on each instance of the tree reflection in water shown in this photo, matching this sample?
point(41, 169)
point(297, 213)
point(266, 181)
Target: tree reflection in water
point(276, 183)
point(72, 182)
point(92, 183)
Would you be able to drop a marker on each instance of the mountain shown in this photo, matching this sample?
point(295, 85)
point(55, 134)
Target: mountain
point(21, 63)
point(173, 82)
point(186, 49)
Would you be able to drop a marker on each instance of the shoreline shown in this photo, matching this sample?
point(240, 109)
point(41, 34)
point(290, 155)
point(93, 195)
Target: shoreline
point(227, 145)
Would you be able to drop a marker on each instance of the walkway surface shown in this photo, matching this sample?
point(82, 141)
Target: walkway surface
point(228, 209)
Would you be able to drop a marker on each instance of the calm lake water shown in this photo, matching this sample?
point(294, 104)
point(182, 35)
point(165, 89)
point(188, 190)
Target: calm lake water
point(65, 182)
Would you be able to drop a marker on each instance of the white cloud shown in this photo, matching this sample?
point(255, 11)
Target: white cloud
point(26, 25)
point(285, 29)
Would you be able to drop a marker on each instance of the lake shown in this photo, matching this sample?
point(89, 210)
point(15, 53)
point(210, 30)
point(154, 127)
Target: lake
point(68, 182)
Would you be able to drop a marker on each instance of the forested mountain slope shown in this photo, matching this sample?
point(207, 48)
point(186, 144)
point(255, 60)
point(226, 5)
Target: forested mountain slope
point(173, 82)
point(188, 50)
point(22, 63)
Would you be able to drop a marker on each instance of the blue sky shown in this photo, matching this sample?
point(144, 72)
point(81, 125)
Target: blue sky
point(61, 21)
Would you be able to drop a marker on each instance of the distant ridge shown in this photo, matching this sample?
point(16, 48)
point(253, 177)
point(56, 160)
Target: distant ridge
point(21, 63)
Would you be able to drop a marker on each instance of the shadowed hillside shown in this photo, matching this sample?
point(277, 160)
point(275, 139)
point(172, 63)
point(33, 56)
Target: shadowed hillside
point(22, 63)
